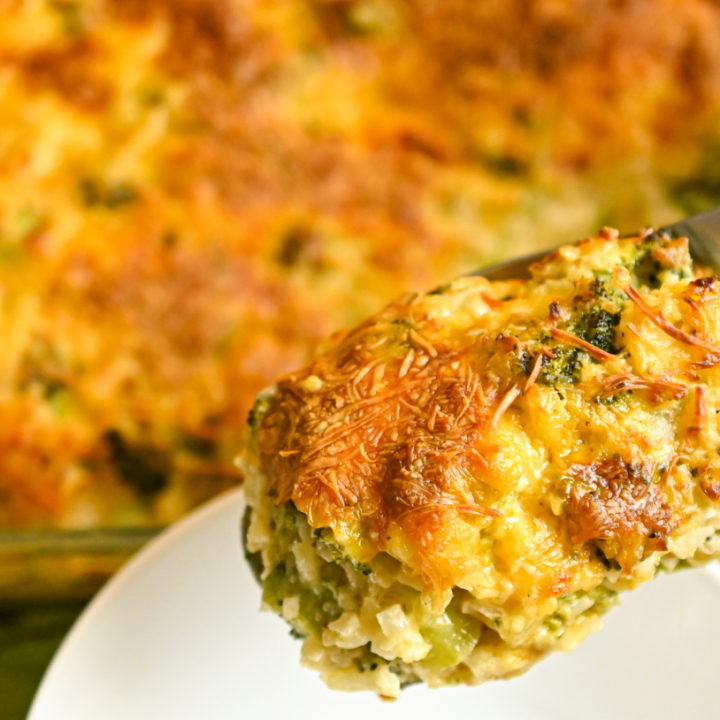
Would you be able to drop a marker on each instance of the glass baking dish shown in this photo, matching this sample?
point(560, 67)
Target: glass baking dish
point(53, 565)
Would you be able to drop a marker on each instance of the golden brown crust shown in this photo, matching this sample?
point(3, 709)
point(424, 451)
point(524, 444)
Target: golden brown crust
point(408, 432)
point(67, 71)
point(621, 504)
point(307, 161)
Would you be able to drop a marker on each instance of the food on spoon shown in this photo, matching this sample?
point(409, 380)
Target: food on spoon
point(466, 481)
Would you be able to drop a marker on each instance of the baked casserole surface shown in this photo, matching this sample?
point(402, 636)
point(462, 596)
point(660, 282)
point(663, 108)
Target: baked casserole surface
point(194, 192)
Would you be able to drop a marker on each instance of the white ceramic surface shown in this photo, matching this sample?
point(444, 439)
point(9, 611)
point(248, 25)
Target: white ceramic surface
point(177, 635)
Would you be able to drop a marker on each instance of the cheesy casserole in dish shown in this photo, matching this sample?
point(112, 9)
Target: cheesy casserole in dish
point(194, 192)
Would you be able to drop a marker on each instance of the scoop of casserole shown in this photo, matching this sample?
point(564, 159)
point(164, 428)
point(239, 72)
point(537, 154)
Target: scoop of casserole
point(466, 481)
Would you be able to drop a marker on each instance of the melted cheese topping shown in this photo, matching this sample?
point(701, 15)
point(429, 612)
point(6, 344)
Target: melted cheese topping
point(511, 444)
point(542, 414)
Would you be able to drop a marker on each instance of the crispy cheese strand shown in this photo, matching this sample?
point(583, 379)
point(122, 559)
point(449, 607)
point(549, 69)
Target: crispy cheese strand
point(621, 279)
point(613, 384)
point(505, 403)
point(589, 348)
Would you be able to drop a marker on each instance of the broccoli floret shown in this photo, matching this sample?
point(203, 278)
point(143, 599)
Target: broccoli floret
point(563, 367)
point(648, 267)
point(254, 558)
point(260, 409)
point(597, 326)
point(142, 466)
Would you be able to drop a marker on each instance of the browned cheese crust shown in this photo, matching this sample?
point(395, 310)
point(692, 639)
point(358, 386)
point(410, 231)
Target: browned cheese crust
point(549, 426)
point(194, 192)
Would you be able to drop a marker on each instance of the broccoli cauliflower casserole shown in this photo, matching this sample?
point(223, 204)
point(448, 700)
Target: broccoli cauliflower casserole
point(194, 192)
point(466, 481)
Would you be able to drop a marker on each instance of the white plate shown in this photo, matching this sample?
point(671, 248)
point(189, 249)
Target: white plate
point(177, 635)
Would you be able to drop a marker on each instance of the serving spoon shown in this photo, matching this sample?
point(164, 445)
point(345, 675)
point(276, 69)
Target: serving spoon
point(702, 232)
